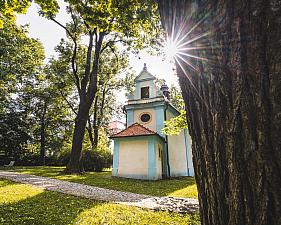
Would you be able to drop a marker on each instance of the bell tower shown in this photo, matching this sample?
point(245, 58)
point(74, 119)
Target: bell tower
point(143, 103)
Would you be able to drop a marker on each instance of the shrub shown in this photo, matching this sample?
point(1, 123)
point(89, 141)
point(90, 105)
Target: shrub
point(96, 160)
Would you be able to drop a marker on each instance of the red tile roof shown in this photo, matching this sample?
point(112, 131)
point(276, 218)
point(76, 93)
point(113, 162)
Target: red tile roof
point(135, 129)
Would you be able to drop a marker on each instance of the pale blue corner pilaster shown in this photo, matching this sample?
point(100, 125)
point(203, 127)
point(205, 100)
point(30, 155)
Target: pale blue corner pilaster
point(151, 159)
point(190, 169)
point(137, 91)
point(115, 164)
point(165, 162)
point(152, 93)
point(159, 120)
point(130, 117)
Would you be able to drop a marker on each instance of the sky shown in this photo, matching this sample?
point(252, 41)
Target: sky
point(50, 35)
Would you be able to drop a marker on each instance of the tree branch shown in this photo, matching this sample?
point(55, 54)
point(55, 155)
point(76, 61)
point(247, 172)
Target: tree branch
point(110, 43)
point(94, 73)
point(68, 103)
point(102, 106)
point(73, 58)
point(86, 76)
point(64, 27)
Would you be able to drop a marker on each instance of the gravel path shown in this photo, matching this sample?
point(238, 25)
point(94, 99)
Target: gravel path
point(180, 205)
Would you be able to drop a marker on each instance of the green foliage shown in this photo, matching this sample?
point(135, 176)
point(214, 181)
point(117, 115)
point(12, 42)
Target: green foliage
point(96, 160)
point(13, 135)
point(114, 75)
point(137, 19)
point(178, 187)
point(176, 124)
point(20, 58)
point(8, 8)
point(99, 158)
point(25, 204)
point(176, 97)
point(29, 98)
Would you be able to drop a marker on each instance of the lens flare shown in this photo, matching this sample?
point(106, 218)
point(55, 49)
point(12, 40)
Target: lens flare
point(171, 49)
point(187, 45)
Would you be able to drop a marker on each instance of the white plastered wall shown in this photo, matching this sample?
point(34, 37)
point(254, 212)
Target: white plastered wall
point(151, 124)
point(177, 153)
point(133, 159)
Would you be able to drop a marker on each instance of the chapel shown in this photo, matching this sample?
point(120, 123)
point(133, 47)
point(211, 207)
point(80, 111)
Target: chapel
point(141, 150)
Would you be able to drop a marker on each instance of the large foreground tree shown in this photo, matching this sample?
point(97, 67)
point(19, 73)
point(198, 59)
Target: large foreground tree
point(229, 64)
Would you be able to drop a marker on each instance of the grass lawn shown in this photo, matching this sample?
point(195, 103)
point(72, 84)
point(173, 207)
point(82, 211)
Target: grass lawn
point(24, 204)
point(178, 187)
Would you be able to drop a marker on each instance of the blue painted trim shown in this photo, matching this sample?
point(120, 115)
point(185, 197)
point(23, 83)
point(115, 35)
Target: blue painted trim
point(159, 111)
point(135, 176)
point(130, 117)
point(152, 93)
point(145, 105)
point(165, 163)
point(130, 97)
point(137, 91)
point(188, 153)
point(152, 159)
point(115, 164)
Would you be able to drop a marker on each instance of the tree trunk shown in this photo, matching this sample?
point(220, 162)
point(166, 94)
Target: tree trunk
point(233, 104)
point(75, 165)
point(87, 91)
point(95, 123)
point(90, 132)
point(43, 136)
point(96, 137)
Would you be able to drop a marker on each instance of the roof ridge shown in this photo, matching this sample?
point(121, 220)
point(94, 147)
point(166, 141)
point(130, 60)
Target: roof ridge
point(142, 129)
point(124, 129)
point(147, 72)
point(145, 127)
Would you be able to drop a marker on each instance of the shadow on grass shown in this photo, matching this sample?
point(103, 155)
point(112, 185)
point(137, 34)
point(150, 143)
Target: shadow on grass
point(44, 208)
point(179, 187)
point(51, 208)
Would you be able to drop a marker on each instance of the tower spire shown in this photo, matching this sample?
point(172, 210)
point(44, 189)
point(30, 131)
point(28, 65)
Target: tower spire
point(144, 67)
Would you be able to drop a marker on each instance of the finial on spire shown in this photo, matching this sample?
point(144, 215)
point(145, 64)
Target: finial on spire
point(144, 67)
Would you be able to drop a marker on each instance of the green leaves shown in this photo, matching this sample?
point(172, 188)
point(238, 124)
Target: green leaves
point(8, 8)
point(21, 58)
point(135, 19)
point(49, 7)
point(176, 124)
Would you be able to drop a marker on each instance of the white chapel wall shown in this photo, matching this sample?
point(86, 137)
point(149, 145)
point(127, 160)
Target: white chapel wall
point(133, 159)
point(177, 153)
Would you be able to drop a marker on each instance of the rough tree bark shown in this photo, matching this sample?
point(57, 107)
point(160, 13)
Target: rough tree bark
point(93, 127)
point(43, 134)
point(233, 104)
point(98, 118)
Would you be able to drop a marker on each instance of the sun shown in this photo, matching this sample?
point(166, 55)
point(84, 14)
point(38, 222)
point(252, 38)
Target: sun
point(171, 49)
